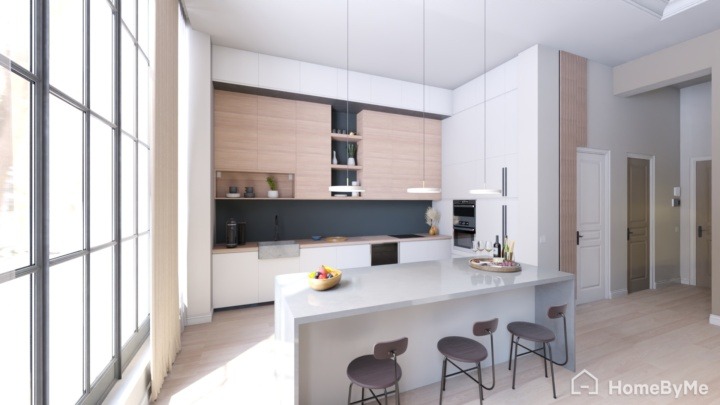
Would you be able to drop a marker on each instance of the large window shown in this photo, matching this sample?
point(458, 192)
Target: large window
point(74, 196)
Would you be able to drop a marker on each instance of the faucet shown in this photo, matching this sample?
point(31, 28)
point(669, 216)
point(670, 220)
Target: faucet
point(277, 228)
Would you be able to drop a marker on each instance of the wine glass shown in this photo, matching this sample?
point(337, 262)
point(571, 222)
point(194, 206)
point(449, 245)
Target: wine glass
point(480, 246)
point(488, 247)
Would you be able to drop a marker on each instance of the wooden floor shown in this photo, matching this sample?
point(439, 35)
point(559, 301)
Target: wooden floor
point(642, 338)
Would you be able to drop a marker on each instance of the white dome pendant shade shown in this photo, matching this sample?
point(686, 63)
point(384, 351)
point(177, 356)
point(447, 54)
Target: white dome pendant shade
point(485, 190)
point(423, 189)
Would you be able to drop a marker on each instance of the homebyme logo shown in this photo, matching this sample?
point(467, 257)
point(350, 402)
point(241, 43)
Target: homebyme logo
point(586, 382)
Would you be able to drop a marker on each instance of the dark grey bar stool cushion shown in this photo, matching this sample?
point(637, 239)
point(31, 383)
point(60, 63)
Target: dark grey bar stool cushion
point(369, 372)
point(462, 349)
point(531, 331)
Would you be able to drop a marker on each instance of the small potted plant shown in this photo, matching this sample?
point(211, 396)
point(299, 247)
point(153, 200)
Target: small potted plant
point(272, 183)
point(352, 150)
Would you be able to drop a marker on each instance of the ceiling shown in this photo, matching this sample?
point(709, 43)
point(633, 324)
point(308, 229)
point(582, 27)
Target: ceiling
point(385, 36)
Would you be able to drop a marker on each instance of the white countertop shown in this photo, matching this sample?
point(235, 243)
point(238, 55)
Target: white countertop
point(380, 288)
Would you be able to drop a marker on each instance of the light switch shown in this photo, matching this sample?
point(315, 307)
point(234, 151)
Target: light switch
point(676, 191)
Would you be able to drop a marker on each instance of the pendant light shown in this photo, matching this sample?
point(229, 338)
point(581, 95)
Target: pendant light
point(485, 190)
point(347, 188)
point(423, 189)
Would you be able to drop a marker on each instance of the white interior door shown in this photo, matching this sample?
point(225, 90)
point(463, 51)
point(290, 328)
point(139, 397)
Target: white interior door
point(591, 189)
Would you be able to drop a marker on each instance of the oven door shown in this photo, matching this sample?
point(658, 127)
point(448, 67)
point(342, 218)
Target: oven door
point(464, 237)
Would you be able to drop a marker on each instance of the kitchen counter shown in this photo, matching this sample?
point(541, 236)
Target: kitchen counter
point(412, 300)
point(351, 240)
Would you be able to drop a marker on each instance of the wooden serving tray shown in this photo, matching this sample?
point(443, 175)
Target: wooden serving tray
point(484, 264)
point(336, 238)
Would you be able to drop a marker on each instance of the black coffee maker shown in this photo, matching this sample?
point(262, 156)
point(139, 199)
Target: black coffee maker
point(234, 233)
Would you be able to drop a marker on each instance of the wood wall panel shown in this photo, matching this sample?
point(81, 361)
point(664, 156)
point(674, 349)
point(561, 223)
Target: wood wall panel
point(313, 174)
point(573, 134)
point(236, 132)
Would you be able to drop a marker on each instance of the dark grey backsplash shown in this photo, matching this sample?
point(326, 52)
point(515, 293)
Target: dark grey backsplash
point(304, 218)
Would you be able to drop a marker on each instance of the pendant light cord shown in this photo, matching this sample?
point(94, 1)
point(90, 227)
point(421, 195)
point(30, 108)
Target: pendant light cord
point(423, 92)
point(347, 94)
point(485, 93)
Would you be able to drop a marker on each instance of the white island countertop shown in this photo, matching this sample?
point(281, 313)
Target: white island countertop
point(423, 301)
point(393, 286)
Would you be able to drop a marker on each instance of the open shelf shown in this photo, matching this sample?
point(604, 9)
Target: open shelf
point(345, 167)
point(346, 138)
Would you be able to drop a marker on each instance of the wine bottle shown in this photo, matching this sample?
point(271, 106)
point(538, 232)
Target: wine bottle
point(497, 249)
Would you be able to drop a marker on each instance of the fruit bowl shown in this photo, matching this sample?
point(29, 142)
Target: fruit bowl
point(321, 284)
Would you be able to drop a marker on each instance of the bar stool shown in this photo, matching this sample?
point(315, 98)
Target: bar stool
point(378, 370)
point(466, 350)
point(538, 334)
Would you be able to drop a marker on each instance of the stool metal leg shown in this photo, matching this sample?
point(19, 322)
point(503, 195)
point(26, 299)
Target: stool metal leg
point(349, 393)
point(552, 371)
point(545, 359)
point(480, 383)
point(363, 396)
point(512, 337)
point(515, 365)
point(442, 379)
point(386, 402)
point(397, 393)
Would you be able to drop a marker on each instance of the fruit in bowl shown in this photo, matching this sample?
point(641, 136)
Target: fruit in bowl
point(325, 277)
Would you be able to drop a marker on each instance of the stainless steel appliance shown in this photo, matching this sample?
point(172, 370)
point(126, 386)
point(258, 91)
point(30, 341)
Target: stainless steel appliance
point(463, 223)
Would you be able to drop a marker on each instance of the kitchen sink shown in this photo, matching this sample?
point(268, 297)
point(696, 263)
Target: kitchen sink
point(278, 249)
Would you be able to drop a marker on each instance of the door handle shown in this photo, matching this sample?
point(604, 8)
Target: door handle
point(699, 231)
point(577, 237)
point(629, 232)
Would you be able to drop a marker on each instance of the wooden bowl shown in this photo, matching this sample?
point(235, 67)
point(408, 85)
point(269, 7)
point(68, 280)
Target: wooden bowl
point(324, 284)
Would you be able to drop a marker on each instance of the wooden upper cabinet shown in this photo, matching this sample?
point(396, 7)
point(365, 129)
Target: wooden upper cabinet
point(277, 145)
point(236, 131)
point(393, 155)
point(312, 131)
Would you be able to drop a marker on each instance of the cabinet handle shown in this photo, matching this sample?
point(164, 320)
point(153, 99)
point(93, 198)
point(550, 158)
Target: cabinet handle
point(577, 237)
point(700, 231)
point(629, 232)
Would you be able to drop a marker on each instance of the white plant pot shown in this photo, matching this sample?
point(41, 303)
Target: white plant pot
point(351, 161)
point(273, 194)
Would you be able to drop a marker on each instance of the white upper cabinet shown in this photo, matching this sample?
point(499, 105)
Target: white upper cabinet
point(361, 87)
point(412, 94)
point(387, 92)
point(234, 66)
point(270, 72)
point(438, 101)
point(318, 80)
point(279, 74)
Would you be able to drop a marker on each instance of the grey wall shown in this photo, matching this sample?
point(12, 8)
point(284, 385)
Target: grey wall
point(695, 142)
point(302, 219)
point(646, 124)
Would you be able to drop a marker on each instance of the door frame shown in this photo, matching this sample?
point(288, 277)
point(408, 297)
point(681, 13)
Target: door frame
point(607, 178)
point(693, 216)
point(651, 159)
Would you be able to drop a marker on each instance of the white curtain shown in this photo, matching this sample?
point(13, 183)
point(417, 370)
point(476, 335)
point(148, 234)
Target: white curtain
point(165, 314)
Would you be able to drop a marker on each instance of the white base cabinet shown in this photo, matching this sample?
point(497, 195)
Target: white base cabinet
point(421, 251)
point(268, 269)
point(242, 279)
point(340, 257)
point(235, 279)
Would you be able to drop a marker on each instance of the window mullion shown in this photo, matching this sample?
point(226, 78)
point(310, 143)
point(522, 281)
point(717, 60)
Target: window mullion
point(41, 90)
point(117, 136)
point(86, 197)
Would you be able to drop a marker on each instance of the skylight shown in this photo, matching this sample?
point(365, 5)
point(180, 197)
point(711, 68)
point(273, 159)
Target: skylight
point(663, 9)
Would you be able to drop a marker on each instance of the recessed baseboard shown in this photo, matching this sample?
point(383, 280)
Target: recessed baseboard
point(715, 320)
point(196, 320)
point(618, 293)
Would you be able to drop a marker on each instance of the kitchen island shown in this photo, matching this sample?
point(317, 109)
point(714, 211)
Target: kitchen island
point(319, 332)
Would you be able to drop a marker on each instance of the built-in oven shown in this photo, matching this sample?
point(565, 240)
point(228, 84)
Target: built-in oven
point(464, 223)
